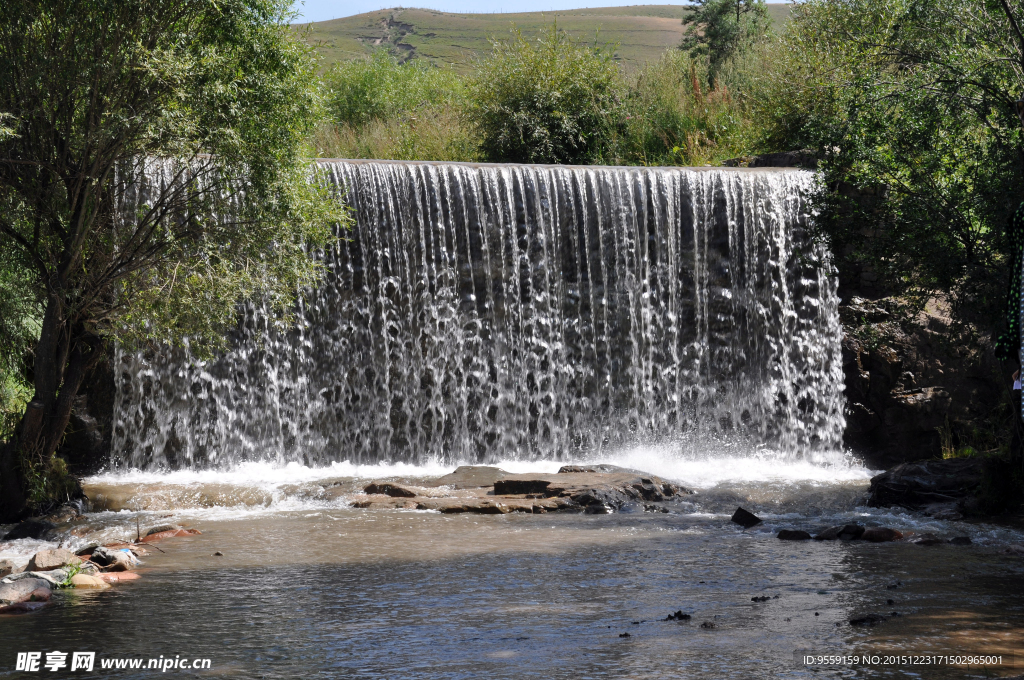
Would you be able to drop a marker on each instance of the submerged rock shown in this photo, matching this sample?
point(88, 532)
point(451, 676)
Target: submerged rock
point(867, 620)
point(880, 534)
point(30, 528)
point(45, 560)
point(678, 616)
point(793, 535)
point(926, 539)
point(847, 532)
point(745, 518)
point(960, 540)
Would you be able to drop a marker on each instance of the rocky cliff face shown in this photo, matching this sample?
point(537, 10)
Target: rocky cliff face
point(914, 390)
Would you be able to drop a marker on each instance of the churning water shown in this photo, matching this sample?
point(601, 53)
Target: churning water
point(479, 313)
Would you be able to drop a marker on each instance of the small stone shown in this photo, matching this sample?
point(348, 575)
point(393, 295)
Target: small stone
point(45, 560)
point(218, 554)
point(894, 586)
point(817, 614)
point(880, 535)
point(745, 518)
point(678, 616)
point(88, 582)
point(760, 598)
point(867, 620)
point(30, 528)
point(794, 535)
point(890, 601)
point(623, 635)
point(960, 540)
point(708, 625)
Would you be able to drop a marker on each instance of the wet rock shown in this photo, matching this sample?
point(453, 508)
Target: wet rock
point(847, 532)
point(760, 598)
point(472, 477)
point(926, 539)
point(880, 535)
point(30, 528)
point(88, 582)
point(23, 590)
point(926, 483)
point(45, 560)
point(218, 554)
point(22, 607)
point(163, 528)
point(708, 625)
point(611, 489)
point(943, 511)
point(960, 540)
point(1014, 549)
point(391, 489)
point(794, 535)
point(118, 577)
point(67, 512)
point(170, 533)
point(624, 635)
point(745, 518)
point(677, 616)
point(894, 586)
point(7, 567)
point(114, 560)
point(867, 620)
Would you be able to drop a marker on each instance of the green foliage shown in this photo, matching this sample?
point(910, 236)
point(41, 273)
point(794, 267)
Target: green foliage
point(380, 108)
point(911, 103)
point(72, 570)
point(673, 119)
point(552, 100)
point(722, 30)
point(381, 88)
point(153, 173)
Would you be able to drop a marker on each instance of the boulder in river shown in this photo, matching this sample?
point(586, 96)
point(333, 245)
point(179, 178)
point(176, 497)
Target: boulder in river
point(23, 590)
point(88, 582)
point(45, 560)
point(794, 535)
point(7, 567)
point(847, 532)
point(114, 560)
point(30, 528)
point(745, 518)
point(880, 535)
point(926, 539)
point(926, 483)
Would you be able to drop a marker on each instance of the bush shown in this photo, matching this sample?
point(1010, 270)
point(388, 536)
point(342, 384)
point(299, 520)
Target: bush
point(381, 88)
point(674, 119)
point(553, 100)
point(381, 108)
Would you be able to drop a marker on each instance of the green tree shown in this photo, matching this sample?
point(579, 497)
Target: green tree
point(555, 100)
point(722, 30)
point(911, 104)
point(151, 176)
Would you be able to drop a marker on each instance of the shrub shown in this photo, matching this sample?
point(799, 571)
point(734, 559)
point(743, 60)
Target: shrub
point(553, 100)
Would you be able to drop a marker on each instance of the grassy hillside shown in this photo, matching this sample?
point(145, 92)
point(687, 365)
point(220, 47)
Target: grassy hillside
point(643, 32)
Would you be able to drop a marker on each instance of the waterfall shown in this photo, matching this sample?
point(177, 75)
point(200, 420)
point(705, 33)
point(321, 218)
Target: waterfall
point(478, 313)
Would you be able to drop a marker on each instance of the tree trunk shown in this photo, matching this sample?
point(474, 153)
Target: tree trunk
point(64, 356)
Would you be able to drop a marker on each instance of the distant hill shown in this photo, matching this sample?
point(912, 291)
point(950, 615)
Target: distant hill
point(643, 32)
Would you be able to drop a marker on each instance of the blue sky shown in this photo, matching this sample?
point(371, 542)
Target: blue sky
point(322, 10)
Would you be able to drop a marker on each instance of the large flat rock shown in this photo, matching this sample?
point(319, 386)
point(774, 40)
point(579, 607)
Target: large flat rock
point(914, 485)
point(490, 490)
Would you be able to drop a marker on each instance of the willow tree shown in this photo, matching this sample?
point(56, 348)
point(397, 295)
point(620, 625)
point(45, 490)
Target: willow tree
point(151, 176)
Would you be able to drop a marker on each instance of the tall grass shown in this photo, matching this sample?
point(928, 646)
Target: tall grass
point(545, 100)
